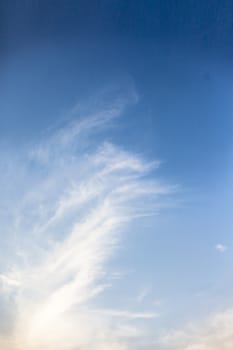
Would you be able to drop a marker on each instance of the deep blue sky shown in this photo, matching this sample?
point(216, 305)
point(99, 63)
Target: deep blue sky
point(206, 25)
point(177, 53)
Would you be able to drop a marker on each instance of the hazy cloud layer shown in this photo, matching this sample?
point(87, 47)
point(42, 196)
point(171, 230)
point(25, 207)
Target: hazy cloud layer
point(213, 333)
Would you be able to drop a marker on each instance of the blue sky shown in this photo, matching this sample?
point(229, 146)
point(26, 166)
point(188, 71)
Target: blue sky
point(116, 175)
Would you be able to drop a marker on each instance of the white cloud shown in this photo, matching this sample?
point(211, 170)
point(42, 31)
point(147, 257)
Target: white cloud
point(221, 248)
point(130, 314)
point(72, 201)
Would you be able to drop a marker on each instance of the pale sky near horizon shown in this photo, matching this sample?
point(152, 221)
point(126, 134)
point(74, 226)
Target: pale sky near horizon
point(116, 175)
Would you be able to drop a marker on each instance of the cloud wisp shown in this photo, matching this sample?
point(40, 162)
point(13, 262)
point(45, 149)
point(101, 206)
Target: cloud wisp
point(66, 202)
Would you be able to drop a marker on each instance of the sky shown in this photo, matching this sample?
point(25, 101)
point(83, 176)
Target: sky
point(116, 170)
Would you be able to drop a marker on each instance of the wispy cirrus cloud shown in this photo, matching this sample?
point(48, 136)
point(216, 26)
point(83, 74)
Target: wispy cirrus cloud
point(72, 201)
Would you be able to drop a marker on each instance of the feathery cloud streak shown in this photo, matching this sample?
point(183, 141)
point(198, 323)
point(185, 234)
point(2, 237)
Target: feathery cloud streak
point(65, 204)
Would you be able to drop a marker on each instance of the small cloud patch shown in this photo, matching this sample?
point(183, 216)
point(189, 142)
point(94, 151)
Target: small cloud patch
point(221, 248)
